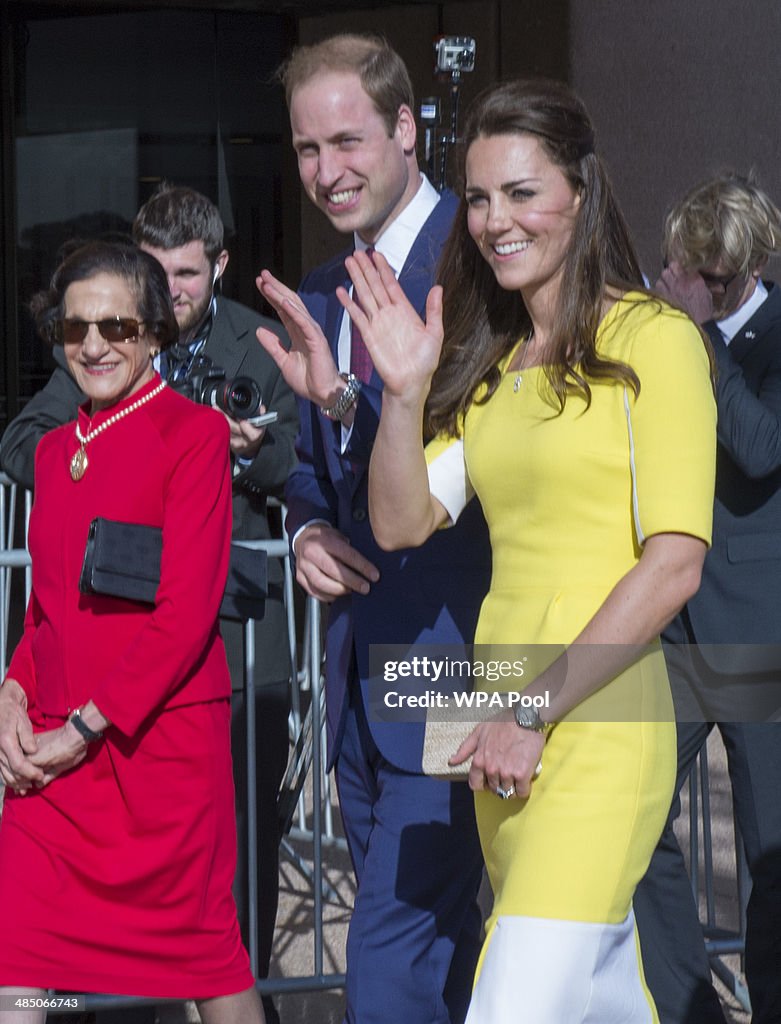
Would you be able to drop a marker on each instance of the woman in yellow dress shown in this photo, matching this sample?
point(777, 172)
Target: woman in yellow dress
point(579, 409)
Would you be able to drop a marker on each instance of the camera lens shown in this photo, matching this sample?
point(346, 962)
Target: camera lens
point(239, 398)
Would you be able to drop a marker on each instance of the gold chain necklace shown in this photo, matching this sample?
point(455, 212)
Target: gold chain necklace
point(79, 462)
point(522, 366)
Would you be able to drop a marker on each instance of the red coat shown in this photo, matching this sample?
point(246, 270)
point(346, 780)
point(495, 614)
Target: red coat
point(117, 876)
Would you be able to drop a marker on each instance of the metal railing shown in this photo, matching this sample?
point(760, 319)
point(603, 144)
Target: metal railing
point(13, 554)
point(719, 941)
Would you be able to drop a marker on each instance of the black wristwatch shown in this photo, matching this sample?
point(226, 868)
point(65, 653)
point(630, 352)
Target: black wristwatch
point(82, 728)
point(529, 718)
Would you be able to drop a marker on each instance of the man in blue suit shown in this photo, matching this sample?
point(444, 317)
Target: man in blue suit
point(724, 650)
point(414, 933)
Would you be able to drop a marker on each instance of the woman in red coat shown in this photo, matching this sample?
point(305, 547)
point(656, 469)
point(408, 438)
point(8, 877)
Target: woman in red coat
point(117, 841)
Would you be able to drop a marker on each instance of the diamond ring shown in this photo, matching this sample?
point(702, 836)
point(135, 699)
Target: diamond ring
point(505, 794)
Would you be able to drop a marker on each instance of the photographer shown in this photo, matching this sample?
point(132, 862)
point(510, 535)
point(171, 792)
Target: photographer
point(183, 230)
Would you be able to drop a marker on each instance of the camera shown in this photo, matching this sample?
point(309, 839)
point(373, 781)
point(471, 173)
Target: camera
point(204, 383)
point(454, 54)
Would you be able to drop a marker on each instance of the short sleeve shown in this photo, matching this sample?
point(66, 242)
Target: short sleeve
point(448, 480)
point(672, 427)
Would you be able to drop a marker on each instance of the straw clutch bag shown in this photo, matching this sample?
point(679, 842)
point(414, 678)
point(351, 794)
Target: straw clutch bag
point(444, 735)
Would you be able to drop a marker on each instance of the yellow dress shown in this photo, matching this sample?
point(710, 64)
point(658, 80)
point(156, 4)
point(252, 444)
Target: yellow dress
point(569, 500)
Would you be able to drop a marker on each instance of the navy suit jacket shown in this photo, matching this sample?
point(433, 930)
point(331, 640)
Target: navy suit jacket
point(430, 594)
point(739, 600)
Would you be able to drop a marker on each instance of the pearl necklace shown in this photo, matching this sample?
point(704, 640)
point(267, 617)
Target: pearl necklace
point(79, 462)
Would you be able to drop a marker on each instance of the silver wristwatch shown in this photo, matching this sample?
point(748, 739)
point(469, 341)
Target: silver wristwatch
point(346, 400)
point(529, 718)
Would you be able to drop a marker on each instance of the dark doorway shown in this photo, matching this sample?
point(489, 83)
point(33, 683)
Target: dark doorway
point(104, 107)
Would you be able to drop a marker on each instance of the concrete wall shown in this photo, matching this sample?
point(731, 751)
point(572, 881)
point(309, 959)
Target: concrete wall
point(676, 90)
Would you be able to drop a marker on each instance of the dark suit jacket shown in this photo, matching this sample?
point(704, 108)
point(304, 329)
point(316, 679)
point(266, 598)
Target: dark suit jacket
point(56, 403)
point(232, 345)
point(430, 594)
point(739, 600)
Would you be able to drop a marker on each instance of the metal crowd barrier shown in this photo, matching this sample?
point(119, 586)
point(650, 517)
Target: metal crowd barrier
point(719, 941)
point(306, 761)
point(13, 554)
point(307, 744)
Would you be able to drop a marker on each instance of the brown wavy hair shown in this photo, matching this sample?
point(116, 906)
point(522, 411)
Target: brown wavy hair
point(482, 321)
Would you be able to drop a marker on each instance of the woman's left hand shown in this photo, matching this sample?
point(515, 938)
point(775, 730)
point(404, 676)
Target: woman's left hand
point(58, 751)
point(504, 757)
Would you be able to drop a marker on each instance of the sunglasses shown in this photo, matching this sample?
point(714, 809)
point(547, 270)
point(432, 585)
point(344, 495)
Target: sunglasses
point(115, 330)
point(714, 281)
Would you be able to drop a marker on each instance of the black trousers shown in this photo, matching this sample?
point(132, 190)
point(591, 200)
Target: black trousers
point(676, 967)
point(272, 704)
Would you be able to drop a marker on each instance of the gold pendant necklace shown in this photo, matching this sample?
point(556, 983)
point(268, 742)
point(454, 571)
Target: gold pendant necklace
point(519, 375)
point(79, 462)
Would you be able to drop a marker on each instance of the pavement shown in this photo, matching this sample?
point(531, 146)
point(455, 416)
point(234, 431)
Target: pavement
point(293, 955)
point(294, 950)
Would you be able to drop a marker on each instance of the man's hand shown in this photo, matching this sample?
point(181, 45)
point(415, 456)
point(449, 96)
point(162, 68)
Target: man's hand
point(58, 751)
point(308, 368)
point(17, 742)
point(245, 439)
point(688, 290)
point(327, 566)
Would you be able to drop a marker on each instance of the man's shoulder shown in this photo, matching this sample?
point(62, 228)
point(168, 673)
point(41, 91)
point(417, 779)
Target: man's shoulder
point(239, 320)
point(439, 222)
point(445, 210)
point(762, 331)
point(771, 307)
point(436, 227)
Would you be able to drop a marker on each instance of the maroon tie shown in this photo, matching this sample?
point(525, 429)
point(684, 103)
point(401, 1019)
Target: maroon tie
point(360, 360)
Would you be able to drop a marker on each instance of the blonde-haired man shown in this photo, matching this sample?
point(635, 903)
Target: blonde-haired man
point(723, 650)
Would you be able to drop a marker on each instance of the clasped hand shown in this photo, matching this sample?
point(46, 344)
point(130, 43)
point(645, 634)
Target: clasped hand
point(58, 751)
point(30, 760)
point(503, 755)
point(17, 741)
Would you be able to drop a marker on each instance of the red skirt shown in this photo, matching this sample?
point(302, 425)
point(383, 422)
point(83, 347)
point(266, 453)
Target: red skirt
point(117, 876)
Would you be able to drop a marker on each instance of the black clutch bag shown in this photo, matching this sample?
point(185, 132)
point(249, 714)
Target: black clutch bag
point(123, 560)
